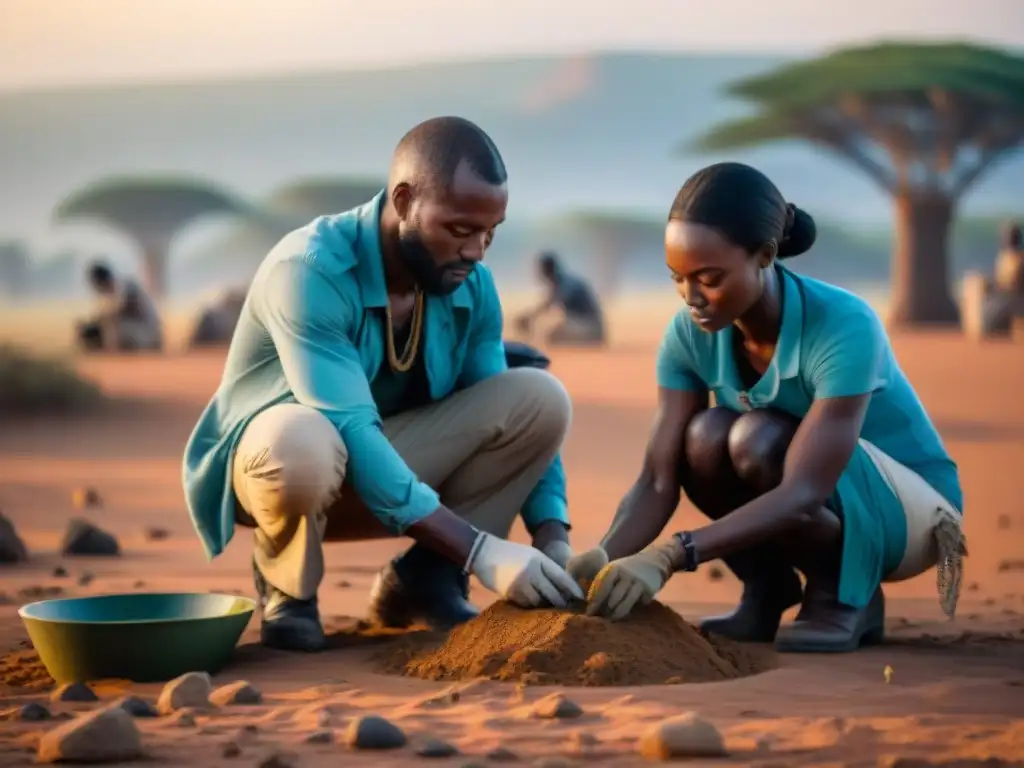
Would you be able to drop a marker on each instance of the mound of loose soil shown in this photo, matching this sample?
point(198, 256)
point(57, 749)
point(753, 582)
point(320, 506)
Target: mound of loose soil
point(553, 647)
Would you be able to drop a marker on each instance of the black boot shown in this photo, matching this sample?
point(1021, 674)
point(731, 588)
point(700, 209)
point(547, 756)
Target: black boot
point(288, 623)
point(824, 625)
point(421, 587)
point(757, 617)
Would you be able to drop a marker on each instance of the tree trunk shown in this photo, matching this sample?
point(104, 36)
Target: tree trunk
point(154, 270)
point(920, 262)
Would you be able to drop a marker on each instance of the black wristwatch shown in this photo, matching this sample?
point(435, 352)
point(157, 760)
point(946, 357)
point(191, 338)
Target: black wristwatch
point(690, 561)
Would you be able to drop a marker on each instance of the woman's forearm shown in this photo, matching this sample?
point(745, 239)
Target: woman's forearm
point(641, 517)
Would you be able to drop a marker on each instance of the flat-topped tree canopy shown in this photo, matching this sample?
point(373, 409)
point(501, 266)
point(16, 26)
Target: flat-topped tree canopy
point(924, 121)
point(307, 198)
point(150, 210)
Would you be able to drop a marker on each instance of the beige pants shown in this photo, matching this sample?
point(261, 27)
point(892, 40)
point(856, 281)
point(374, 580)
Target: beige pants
point(934, 535)
point(483, 449)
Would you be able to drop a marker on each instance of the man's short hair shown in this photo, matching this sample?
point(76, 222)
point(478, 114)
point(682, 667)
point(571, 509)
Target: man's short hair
point(433, 150)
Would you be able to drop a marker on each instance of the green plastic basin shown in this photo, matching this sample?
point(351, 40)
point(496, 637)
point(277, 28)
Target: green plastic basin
point(140, 637)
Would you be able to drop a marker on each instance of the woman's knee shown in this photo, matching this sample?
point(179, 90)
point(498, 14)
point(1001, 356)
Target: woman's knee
point(757, 445)
point(706, 444)
point(290, 461)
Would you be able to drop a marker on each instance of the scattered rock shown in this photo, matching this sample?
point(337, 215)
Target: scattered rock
point(502, 755)
point(436, 748)
point(103, 736)
point(1003, 522)
point(86, 497)
point(1005, 566)
point(279, 760)
point(139, 584)
point(137, 707)
point(85, 579)
point(581, 742)
point(374, 732)
point(323, 718)
point(189, 690)
point(556, 706)
point(238, 692)
point(155, 533)
point(320, 737)
point(33, 712)
point(230, 749)
point(715, 573)
point(554, 762)
point(60, 572)
point(74, 692)
point(185, 718)
point(687, 735)
point(344, 584)
point(973, 586)
point(84, 538)
point(12, 548)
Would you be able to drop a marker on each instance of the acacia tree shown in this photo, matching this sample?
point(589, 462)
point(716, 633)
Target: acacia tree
point(151, 211)
point(924, 121)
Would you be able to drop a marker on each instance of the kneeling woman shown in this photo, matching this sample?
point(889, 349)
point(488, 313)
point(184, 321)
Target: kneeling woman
point(817, 455)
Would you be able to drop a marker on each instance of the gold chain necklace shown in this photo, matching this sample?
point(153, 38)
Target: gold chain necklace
point(412, 344)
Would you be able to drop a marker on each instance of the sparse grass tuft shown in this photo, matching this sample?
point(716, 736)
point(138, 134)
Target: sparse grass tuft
point(35, 384)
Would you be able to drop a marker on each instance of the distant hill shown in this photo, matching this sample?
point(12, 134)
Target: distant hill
point(578, 133)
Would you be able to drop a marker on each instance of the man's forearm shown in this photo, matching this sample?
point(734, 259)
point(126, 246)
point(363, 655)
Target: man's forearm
point(446, 533)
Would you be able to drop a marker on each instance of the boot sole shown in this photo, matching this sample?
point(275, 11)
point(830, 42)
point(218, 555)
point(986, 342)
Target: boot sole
point(871, 636)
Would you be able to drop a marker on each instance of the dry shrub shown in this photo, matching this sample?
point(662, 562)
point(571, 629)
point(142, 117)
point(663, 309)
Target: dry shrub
point(36, 384)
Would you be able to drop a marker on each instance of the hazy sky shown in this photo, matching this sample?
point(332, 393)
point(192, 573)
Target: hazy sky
point(60, 42)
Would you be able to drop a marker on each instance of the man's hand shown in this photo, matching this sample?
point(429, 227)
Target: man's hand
point(585, 566)
point(552, 538)
point(523, 575)
point(630, 581)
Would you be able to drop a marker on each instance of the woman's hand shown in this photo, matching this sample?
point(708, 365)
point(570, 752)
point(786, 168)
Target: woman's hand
point(630, 581)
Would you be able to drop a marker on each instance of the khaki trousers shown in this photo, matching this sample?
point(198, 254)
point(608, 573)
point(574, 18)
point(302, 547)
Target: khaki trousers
point(483, 449)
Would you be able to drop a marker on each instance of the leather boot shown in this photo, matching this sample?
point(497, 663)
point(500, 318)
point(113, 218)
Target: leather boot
point(421, 587)
point(757, 617)
point(824, 625)
point(287, 623)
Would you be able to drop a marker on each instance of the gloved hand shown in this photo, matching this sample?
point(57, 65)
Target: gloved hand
point(522, 575)
point(585, 566)
point(629, 581)
point(559, 551)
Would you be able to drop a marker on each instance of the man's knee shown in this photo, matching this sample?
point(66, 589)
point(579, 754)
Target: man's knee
point(706, 443)
point(540, 400)
point(290, 462)
point(758, 442)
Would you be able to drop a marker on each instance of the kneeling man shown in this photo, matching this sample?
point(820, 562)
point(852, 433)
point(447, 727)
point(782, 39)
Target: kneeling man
point(366, 393)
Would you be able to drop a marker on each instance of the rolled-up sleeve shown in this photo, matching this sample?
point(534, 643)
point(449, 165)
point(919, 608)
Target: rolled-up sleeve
point(485, 357)
point(310, 321)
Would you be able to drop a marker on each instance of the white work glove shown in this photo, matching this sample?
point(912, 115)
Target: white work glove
point(522, 574)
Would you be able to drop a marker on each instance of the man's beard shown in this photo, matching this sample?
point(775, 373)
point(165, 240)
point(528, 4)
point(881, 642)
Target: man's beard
point(428, 275)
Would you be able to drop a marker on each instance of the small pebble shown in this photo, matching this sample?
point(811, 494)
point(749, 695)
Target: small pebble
point(33, 712)
point(554, 762)
point(185, 718)
point(238, 692)
point(154, 533)
point(323, 718)
point(1003, 521)
point(556, 706)
point(344, 584)
point(279, 760)
point(320, 737)
point(436, 748)
point(85, 497)
point(374, 732)
point(74, 692)
point(85, 579)
point(60, 572)
point(189, 690)
point(137, 707)
point(502, 755)
point(715, 573)
point(687, 735)
point(230, 749)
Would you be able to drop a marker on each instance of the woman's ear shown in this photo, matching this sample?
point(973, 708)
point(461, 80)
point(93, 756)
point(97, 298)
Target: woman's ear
point(768, 253)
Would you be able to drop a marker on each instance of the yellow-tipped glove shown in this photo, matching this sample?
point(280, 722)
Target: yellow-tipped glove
point(623, 584)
